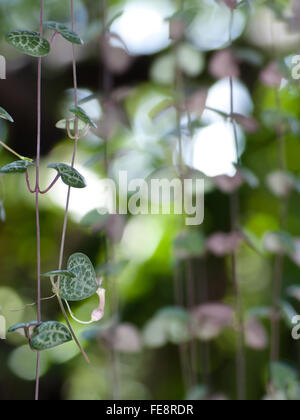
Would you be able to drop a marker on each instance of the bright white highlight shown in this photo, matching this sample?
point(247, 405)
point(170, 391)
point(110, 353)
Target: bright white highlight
point(95, 195)
point(142, 26)
point(215, 150)
point(92, 107)
point(210, 28)
point(219, 98)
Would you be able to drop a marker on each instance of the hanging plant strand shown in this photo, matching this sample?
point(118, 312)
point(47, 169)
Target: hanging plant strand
point(37, 192)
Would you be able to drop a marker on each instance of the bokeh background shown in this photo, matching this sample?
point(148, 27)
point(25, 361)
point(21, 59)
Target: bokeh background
point(155, 343)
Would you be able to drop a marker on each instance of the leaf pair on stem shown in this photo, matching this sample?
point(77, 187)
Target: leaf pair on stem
point(31, 43)
point(76, 283)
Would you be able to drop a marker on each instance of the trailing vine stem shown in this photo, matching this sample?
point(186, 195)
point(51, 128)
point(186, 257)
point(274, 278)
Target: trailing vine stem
point(51, 185)
point(60, 302)
point(185, 365)
point(65, 223)
point(187, 353)
point(106, 85)
point(37, 189)
point(28, 183)
point(37, 192)
point(53, 37)
point(63, 238)
point(279, 258)
point(234, 216)
point(240, 354)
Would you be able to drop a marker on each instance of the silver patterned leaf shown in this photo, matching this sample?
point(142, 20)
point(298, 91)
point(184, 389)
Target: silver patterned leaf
point(72, 37)
point(82, 115)
point(70, 176)
point(69, 35)
point(84, 284)
point(29, 43)
point(49, 334)
point(17, 167)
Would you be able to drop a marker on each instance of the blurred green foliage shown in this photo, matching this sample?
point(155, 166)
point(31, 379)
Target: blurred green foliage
point(158, 341)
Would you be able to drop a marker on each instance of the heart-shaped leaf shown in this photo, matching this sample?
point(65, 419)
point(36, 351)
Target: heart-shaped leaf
point(72, 37)
point(70, 176)
point(84, 284)
point(29, 43)
point(5, 115)
point(69, 35)
point(17, 167)
point(57, 273)
point(82, 115)
point(49, 334)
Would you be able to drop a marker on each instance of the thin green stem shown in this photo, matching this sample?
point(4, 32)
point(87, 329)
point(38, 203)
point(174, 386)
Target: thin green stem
point(178, 93)
point(38, 231)
point(235, 134)
point(28, 183)
point(12, 151)
point(191, 302)
point(106, 85)
point(60, 302)
point(279, 259)
point(234, 212)
point(186, 353)
point(75, 86)
point(51, 185)
point(66, 215)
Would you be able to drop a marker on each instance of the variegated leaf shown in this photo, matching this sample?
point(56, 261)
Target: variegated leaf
point(70, 176)
point(84, 284)
point(82, 115)
point(72, 37)
point(17, 167)
point(49, 334)
point(69, 35)
point(29, 42)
